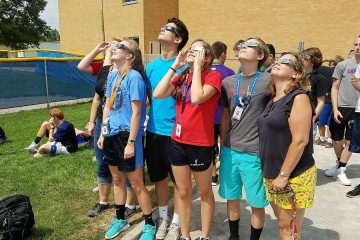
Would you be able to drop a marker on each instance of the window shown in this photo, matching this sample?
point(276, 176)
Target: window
point(135, 39)
point(127, 2)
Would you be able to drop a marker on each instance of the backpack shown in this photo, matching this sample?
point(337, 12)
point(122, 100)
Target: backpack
point(16, 217)
point(2, 136)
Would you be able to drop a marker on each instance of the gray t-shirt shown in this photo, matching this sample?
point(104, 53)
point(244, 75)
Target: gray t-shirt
point(347, 96)
point(243, 134)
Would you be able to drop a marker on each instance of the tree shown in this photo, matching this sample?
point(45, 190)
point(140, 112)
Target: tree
point(20, 24)
point(52, 36)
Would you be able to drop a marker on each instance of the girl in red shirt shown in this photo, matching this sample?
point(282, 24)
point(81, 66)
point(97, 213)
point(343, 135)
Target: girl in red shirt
point(197, 90)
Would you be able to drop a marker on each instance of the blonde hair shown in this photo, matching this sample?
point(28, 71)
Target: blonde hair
point(299, 81)
point(136, 61)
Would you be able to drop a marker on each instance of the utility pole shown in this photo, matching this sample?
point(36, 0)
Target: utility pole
point(102, 20)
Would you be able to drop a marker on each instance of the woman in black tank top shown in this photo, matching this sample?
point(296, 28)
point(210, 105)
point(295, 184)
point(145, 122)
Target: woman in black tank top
point(286, 145)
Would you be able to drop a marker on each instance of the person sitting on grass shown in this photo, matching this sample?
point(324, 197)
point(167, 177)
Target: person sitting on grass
point(61, 133)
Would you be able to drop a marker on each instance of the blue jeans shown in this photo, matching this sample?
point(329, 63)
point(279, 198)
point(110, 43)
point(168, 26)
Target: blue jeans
point(103, 171)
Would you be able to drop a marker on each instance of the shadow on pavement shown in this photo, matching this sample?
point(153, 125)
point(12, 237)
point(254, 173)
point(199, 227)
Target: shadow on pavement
point(220, 227)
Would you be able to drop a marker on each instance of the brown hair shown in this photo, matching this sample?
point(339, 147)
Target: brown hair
point(262, 48)
point(218, 48)
point(315, 56)
point(298, 82)
point(184, 75)
point(56, 112)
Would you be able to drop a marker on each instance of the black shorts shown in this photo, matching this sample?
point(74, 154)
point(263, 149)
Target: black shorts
point(355, 137)
point(157, 155)
point(114, 147)
point(339, 131)
point(199, 158)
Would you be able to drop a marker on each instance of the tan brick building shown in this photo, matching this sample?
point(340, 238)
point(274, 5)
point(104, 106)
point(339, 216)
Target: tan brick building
point(330, 25)
point(81, 22)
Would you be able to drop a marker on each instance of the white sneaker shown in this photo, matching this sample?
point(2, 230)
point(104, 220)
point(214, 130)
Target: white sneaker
point(163, 228)
point(341, 176)
point(32, 147)
point(174, 232)
point(331, 172)
point(95, 189)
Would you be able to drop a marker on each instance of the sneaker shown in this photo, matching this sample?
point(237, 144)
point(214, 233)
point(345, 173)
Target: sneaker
point(319, 142)
point(355, 193)
point(201, 238)
point(162, 230)
point(331, 172)
point(182, 238)
point(32, 147)
point(116, 227)
point(97, 209)
point(174, 232)
point(341, 176)
point(214, 180)
point(329, 144)
point(95, 189)
point(148, 232)
point(129, 212)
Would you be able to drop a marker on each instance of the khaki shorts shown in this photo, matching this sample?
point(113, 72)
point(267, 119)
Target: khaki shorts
point(303, 186)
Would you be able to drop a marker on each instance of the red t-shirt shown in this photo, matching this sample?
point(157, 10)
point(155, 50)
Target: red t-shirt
point(96, 66)
point(197, 121)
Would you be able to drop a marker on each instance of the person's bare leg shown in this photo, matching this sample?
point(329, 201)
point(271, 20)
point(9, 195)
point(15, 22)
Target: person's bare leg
point(203, 182)
point(182, 176)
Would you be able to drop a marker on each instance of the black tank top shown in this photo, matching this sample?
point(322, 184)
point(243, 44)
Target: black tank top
point(275, 138)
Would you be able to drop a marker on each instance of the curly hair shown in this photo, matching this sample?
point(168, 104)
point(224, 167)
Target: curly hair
point(315, 56)
point(298, 82)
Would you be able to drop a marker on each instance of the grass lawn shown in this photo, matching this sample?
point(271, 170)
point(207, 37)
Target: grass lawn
point(59, 187)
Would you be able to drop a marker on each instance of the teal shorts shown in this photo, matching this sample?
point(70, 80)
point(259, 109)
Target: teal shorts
point(238, 169)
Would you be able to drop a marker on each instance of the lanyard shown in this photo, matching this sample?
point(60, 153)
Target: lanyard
point(185, 91)
point(115, 89)
point(250, 90)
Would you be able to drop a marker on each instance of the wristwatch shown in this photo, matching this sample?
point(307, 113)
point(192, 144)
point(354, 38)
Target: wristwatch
point(284, 174)
point(131, 140)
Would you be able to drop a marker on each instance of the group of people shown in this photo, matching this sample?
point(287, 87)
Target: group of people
point(265, 116)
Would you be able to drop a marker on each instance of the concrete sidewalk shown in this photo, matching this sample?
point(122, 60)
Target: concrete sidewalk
point(333, 217)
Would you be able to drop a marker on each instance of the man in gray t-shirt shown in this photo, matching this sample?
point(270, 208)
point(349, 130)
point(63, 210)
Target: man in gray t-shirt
point(344, 98)
point(243, 99)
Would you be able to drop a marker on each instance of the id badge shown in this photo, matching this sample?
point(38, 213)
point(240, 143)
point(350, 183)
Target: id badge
point(105, 128)
point(238, 112)
point(178, 130)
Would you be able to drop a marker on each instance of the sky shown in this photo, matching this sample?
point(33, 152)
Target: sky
point(50, 14)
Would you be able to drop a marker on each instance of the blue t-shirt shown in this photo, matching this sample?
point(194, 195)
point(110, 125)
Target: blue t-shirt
point(162, 111)
point(65, 134)
point(132, 88)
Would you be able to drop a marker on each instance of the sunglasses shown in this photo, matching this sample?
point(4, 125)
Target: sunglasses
point(196, 49)
point(124, 47)
point(250, 44)
point(172, 29)
point(289, 62)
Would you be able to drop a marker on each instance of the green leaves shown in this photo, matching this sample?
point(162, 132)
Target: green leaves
point(20, 24)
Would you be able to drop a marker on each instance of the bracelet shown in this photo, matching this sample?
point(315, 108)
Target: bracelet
point(173, 69)
point(131, 140)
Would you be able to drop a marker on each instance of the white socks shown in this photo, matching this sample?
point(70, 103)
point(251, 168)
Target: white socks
point(130, 206)
point(176, 219)
point(163, 212)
